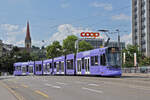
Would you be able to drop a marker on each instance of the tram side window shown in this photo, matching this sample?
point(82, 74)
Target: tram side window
point(82, 63)
point(70, 64)
point(96, 61)
point(36, 66)
point(62, 66)
point(92, 61)
point(27, 68)
point(18, 68)
point(103, 60)
point(40, 67)
point(30, 69)
point(54, 64)
point(50, 65)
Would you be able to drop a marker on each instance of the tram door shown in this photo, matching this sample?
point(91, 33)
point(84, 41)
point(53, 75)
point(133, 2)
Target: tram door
point(87, 65)
point(79, 66)
point(24, 69)
point(62, 67)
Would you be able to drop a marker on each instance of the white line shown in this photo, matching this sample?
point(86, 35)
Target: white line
point(61, 83)
point(80, 82)
point(48, 84)
point(58, 87)
point(92, 90)
point(93, 84)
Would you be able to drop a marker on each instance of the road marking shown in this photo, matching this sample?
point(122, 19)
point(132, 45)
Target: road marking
point(58, 87)
point(80, 82)
point(25, 86)
point(41, 93)
point(19, 97)
point(93, 84)
point(61, 83)
point(92, 90)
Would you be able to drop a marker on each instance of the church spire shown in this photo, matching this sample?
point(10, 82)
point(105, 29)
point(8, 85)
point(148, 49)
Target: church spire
point(28, 38)
point(28, 31)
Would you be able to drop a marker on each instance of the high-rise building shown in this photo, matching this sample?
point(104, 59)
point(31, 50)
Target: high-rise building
point(141, 25)
point(28, 38)
point(1, 48)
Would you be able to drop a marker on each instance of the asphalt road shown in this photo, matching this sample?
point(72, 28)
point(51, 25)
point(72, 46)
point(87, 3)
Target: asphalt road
point(74, 88)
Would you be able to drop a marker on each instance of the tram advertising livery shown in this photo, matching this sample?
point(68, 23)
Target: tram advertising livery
point(102, 61)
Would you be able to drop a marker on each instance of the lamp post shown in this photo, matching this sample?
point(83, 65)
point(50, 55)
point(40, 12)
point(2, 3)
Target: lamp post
point(118, 38)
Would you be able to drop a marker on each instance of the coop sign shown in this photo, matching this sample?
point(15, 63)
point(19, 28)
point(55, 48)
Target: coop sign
point(90, 34)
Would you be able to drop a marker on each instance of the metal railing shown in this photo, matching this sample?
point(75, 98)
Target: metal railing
point(136, 70)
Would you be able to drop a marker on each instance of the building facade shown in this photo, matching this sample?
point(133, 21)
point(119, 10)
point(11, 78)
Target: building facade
point(141, 25)
point(28, 38)
point(1, 48)
point(96, 43)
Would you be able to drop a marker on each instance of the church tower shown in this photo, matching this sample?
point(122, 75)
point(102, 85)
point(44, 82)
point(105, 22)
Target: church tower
point(28, 38)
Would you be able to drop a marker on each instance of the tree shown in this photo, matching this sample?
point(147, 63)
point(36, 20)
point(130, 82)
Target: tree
point(83, 46)
point(69, 44)
point(129, 51)
point(145, 61)
point(54, 50)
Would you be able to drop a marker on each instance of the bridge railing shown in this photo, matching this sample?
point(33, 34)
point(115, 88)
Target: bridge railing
point(136, 70)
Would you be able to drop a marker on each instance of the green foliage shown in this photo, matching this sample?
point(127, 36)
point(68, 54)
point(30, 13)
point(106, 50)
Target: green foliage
point(54, 50)
point(69, 44)
point(145, 61)
point(83, 46)
point(129, 51)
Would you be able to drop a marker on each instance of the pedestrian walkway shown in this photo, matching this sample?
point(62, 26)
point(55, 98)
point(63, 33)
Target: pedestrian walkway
point(5, 94)
point(146, 75)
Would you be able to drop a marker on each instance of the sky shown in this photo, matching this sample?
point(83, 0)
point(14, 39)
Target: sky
point(52, 20)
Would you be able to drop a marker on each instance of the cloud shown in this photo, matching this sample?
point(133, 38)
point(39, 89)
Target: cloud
point(127, 38)
point(9, 27)
point(66, 30)
point(105, 6)
point(65, 5)
point(12, 33)
point(121, 17)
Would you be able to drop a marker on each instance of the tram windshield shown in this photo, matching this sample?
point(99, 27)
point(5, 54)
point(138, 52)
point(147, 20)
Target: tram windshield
point(113, 57)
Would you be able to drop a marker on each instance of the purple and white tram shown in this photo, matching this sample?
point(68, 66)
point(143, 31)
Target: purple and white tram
point(102, 61)
point(59, 65)
point(30, 70)
point(38, 67)
point(17, 68)
point(70, 65)
point(24, 68)
point(47, 67)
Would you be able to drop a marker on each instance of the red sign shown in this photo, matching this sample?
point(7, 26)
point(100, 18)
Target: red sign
point(90, 34)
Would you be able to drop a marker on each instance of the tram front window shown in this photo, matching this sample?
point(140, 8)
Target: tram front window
point(113, 57)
